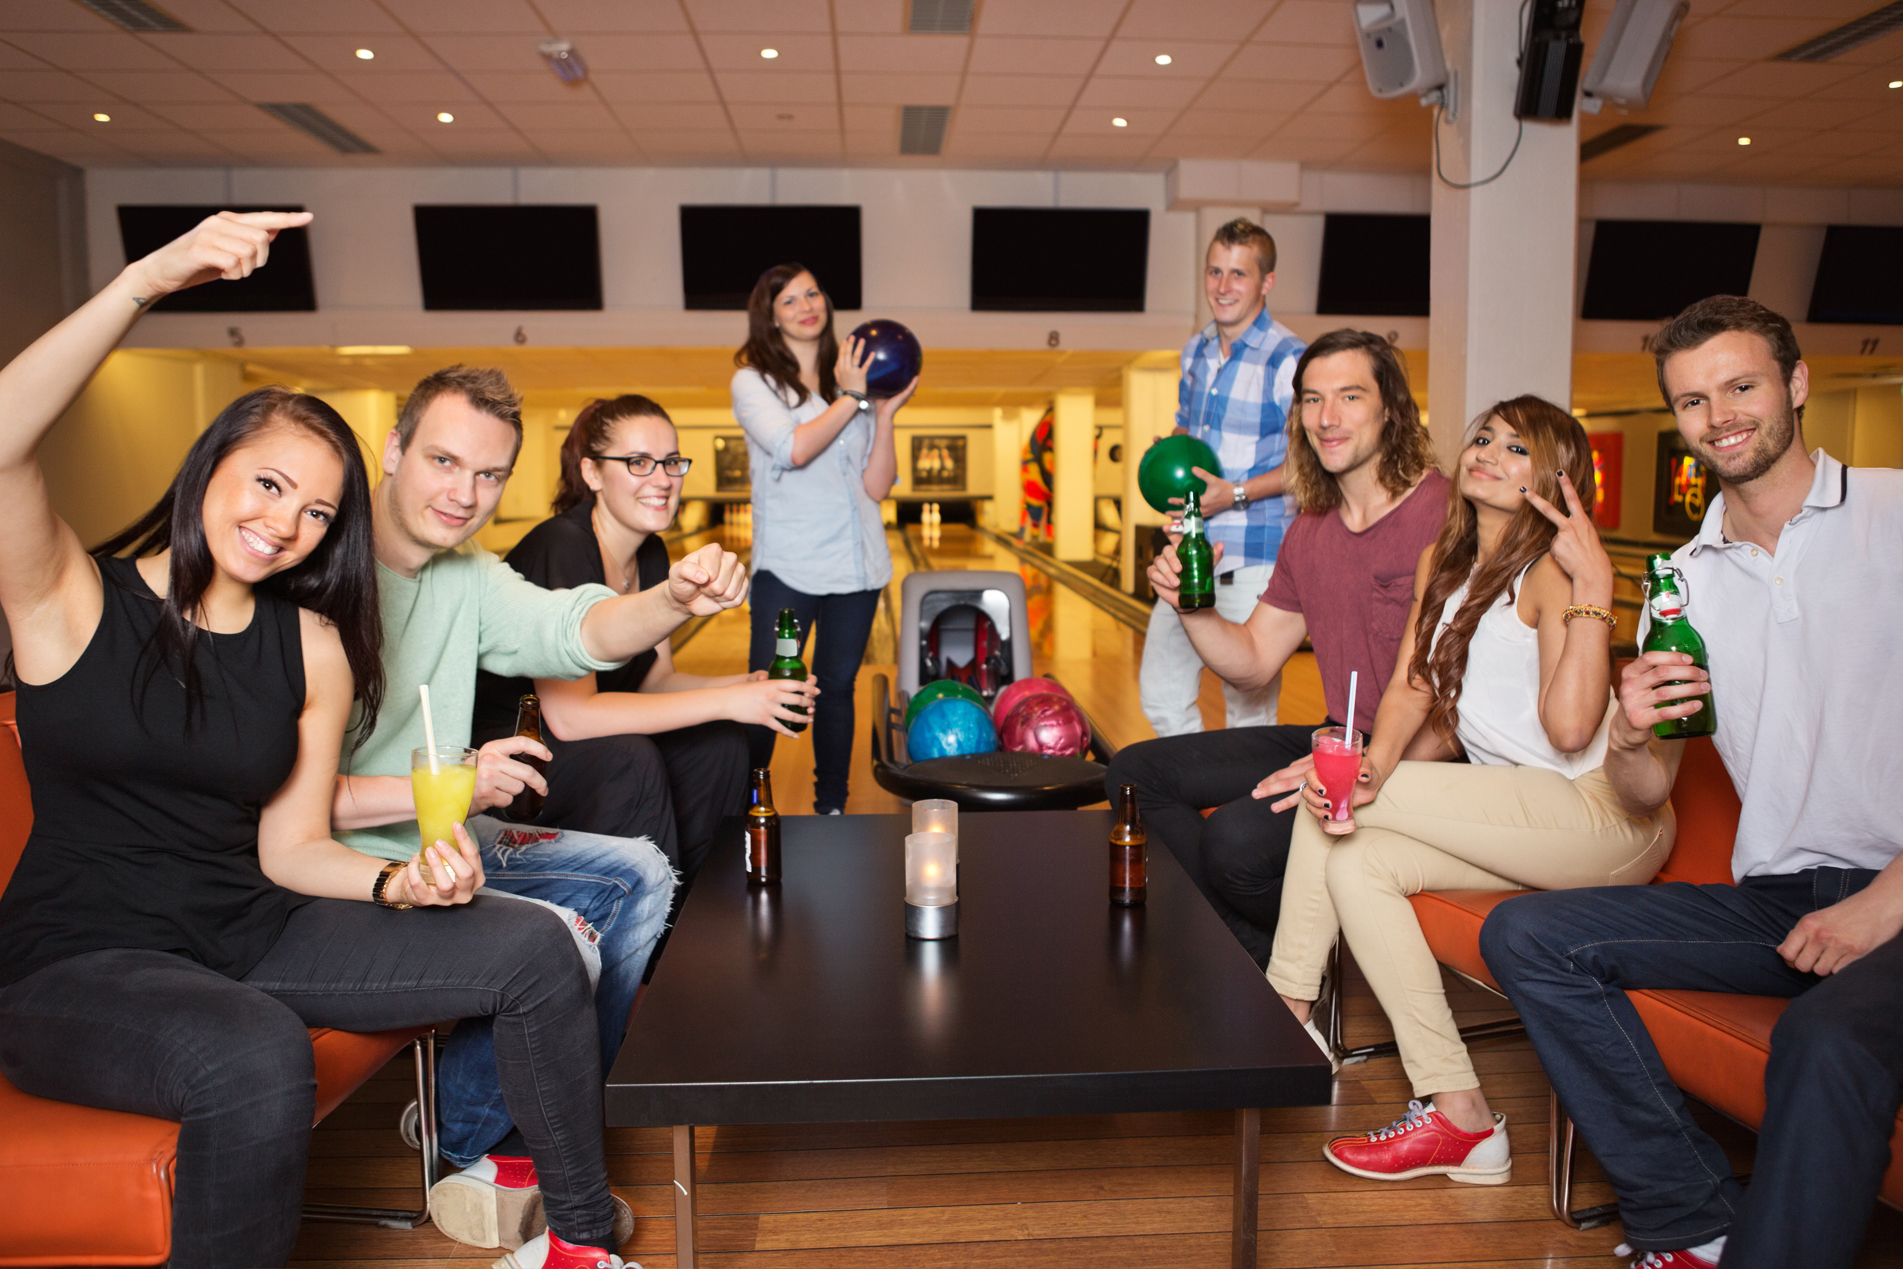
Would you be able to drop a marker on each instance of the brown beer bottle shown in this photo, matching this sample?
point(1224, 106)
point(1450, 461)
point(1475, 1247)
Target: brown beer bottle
point(1129, 858)
point(528, 722)
point(763, 832)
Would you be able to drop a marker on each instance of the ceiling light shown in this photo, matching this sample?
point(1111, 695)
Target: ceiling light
point(102, 118)
point(1119, 122)
point(1896, 83)
point(563, 60)
point(365, 55)
point(443, 116)
point(372, 350)
point(1162, 59)
point(769, 53)
point(1744, 140)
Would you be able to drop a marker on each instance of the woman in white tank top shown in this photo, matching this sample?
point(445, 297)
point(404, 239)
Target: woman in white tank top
point(1507, 662)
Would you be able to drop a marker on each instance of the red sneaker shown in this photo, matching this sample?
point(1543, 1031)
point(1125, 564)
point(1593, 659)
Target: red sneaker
point(1680, 1259)
point(546, 1251)
point(1426, 1143)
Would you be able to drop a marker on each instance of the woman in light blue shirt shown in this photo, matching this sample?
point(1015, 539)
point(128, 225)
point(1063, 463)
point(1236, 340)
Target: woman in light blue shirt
point(822, 458)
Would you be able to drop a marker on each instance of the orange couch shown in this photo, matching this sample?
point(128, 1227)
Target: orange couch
point(94, 1187)
point(1715, 1045)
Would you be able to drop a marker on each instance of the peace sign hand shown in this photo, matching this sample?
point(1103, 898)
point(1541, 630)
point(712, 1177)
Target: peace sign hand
point(1576, 547)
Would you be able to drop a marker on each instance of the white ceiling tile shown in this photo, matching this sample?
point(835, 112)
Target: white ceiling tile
point(487, 52)
point(1225, 123)
point(906, 90)
point(178, 146)
point(572, 17)
point(353, 17)
point(1785, 79)
point(85, 52)
point(126, 117)
point(1040, 119)
point(71, 147)
point(1310, 22)
point(1306, 62)
point(805, 145)
point(1122, 149)
point(1353, 98)
point(208, 15)
point(760, 116)
point(1049, 17)
point(981, 146)
point(1310, 125)
point(311, 86)
point(38, 15)
point(580, 140)
point(1200, 145)
point(734, 51)
point(872, 17)
point(447, 17)
point(1749, 38)
point(46, 86)
point(1256, 97)
point(754, 86)
point(12, 58)
point(870, 119)
point(682, 144)
point(12, 116)
point(538, 85)
point(581, 114)
point(1116, 93)
point(873, 145)
point(487, 146)
point(925, 53)
point(1094, 121)
point(1301, 149)
point(759, 15)
point(1033, 56)
point(470, 116)
point(1204, 20)
point(691, 116)
point(395, 54)
point(655, 86)
point(217, 116)
point(438, 89)
point(1022, 90)
point(233, 53)
point(650, 52)
point(155, 87)
point(1189, 59)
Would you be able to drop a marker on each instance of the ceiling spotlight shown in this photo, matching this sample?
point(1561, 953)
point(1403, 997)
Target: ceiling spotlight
point(365, 55)
point(372, 350)
point(102, 118)
point(443, 116)
point(1896, 83)
point(563, 60)
point(769, 53)
point(1119, 122)
point(1744, 140)
point(1162, 59)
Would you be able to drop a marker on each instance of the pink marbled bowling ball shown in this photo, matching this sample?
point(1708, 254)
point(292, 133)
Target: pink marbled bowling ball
point(1011, 693)
point(1045, 723)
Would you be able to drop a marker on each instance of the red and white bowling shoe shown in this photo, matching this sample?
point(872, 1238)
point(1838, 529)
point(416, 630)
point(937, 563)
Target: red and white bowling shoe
point(1426, 1143)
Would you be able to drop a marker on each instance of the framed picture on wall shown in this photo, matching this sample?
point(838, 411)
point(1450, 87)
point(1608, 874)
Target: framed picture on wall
point(1685, 488)
point(1608, 469)
point(730, 464)
point(938, 464)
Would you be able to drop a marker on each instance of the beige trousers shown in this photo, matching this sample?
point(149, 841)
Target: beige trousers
point(1445, 826)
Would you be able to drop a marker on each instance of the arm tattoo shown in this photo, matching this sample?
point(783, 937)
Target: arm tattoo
point(140, 301)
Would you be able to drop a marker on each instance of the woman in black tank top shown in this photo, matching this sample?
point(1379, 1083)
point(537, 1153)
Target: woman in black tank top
point(180, 915)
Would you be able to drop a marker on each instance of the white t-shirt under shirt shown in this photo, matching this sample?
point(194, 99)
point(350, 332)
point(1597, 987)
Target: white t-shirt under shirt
point(1804, 673)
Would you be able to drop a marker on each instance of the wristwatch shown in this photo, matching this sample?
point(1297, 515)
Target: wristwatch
point(860, 397)
point(1242, 498)
point(383, 879)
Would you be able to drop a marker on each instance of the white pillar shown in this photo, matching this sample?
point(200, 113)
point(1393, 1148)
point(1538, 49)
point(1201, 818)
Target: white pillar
point(1149, 412)
point(1007, 479)
point(1072, 433)
point(1503, 255)
point(371, 414)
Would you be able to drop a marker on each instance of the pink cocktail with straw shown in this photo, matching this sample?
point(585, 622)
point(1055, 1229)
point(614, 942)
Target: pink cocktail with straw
point(1337, 754)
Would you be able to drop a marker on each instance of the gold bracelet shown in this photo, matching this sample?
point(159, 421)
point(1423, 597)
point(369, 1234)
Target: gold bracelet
point(383, 880)
point(1589, 610)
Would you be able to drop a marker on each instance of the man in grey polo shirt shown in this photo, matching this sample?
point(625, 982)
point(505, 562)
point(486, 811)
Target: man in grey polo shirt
point(1796, 582)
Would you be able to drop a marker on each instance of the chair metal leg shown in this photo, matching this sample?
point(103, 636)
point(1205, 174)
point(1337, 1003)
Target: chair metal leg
point(1559, 1171)
point(424, 1049)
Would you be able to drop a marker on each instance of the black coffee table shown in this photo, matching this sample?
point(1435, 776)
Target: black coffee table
point(806, 1003)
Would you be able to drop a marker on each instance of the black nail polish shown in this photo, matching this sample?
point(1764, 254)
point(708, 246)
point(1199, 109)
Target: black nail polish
point(1522, 488)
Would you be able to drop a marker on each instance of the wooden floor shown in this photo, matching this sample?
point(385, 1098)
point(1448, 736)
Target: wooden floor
point(1099, 1192)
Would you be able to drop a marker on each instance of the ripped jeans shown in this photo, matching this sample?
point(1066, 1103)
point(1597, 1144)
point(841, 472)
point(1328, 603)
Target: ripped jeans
point(620, 888)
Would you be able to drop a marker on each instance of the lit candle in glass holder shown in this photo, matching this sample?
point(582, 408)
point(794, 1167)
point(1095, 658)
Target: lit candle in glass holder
point(935, 815)
point(931, 885)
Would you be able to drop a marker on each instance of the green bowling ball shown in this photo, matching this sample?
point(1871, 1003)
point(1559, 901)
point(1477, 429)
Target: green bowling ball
point(1165, 471)
point(938, 691)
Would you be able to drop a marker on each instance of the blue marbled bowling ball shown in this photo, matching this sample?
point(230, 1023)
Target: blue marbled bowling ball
point(950, 727)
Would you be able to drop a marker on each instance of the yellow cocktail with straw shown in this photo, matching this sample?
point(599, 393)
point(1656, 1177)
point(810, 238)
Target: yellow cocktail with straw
point(443, 789)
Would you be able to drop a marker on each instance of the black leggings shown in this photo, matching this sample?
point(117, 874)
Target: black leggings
point(155, 1034)
point(845, 624)
point(1237, 855)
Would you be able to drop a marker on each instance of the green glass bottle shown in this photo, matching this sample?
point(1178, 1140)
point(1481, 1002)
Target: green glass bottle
point(1196, 584)
point(1671, 632)
point(786, 663)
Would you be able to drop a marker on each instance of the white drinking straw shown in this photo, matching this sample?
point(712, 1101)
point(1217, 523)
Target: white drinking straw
point(1354, 677)
point(429, 728)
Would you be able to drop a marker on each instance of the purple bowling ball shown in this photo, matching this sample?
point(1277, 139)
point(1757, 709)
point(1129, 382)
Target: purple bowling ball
point(1045, 723)
point(896, 357)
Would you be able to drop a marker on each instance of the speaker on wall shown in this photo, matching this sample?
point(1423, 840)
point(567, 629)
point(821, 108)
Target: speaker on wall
point(1549, 60)
point(1631, 53)
point(1400, 47)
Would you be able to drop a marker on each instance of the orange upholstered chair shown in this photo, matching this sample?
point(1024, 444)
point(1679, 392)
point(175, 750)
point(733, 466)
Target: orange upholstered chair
point(94, 1187)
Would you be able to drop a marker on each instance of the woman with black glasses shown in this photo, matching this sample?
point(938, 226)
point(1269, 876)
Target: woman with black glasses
point(620, 489)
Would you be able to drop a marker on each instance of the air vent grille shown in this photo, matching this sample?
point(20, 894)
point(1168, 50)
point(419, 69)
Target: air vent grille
point(310, 120)
point(1846, 37)
point(1612, 138)
point(922, 129)
point(135, 15)
point(940, 17)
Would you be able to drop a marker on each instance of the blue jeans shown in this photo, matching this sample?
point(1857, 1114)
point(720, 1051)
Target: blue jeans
point(1566, 959)
point(845, 623)
point(621, 887)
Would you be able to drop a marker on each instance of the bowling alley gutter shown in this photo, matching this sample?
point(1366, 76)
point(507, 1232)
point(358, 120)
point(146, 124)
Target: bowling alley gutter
point(1124, 608)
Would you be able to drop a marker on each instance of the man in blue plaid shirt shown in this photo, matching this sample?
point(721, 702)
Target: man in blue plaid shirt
point(1235, 394)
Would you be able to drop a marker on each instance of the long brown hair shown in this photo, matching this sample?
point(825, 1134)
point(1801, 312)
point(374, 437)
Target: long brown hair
point(766, 350)
point(589, 437)
point(1556, 442)
point(1407, 452)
